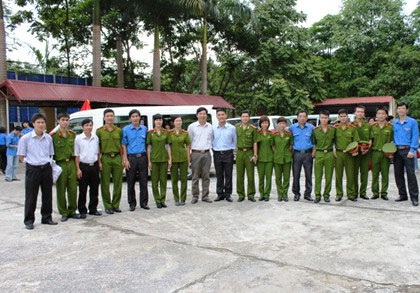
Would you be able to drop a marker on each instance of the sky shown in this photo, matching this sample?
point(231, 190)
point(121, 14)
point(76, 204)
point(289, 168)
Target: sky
point(315, 10)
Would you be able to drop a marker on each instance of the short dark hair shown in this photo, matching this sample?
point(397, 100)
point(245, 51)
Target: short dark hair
point(37, 116)
point(324, 112)
point(176, 116)
point(106, 111)
point(281, 119)
point(342, 111)
point(302, 111)
point(25, 121)
point(86, 121)
point(3, 129)
point(245, 112)
point(400, 104)
point(18, 128)
point(63, 115)
point(382, 108)
point(220, 110)
point(157, 116)
point(264, 118)
point(134, 111)
point(389, 118)
point(202, 109)
point(360, 107)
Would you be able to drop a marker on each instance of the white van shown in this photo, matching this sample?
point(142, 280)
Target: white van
point(254, 120)
point(188, 114)
point(314, 118)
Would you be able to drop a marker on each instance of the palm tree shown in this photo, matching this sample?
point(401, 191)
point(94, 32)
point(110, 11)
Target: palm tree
point(3, 65)
point(96, 44)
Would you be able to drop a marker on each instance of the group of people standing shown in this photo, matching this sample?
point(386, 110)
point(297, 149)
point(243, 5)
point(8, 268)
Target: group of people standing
point(94, 159)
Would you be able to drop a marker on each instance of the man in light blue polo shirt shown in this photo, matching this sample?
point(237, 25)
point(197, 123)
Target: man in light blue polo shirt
point(406, 138)
point(11, 153)
point(302, 154)
point(135, 159)
point(224, 142)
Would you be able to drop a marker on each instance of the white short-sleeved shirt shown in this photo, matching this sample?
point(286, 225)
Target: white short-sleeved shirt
point(37, 150)
point(87, 149)
point(201, 136)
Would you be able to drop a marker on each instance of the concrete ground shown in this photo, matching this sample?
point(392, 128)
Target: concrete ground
point(363, 246)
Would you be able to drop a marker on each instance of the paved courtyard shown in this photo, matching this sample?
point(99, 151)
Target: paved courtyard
point(363, 246)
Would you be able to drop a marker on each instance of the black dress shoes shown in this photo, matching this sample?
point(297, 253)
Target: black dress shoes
point(132, 208)
point(75, 216)
point(286, 199)
point(415, 203)
point(364, 197)
point(182, 203)
point(252, 199)
point(109, 211)
point(327, 199)
point(219, 198)
point(401, 198)
point(266, 199)
point(207, 200)
point(261, 199)
point(279, 199)
point(117, 210)
point(309, 198)
point(177, 203)
point(82, 216)
point(163, 205)
point(353, 199)
point(241, 199)
point(374, 197)
point(338, 198)
point(95, 213)
point(317, 200)
point(159, 205)
point(194, 200)
point(145, 207)
point(228, 198)
point(384, 197)
point(29, 226)
point(297, 197)
point(49, 222)
point(64, 219)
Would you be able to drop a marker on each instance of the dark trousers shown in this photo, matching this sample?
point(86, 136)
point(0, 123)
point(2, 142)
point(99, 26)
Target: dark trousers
point(138, 169)
point(401, 162)
point(305, 160)
point(37, 176)
point(90, 178)
point(223, 163)
point(3, 158)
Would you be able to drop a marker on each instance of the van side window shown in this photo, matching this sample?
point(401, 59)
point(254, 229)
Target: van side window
point(186, 120)
point(75, 124)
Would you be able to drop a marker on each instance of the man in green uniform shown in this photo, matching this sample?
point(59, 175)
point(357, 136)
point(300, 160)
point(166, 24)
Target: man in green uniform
point(363, 158)
point(160, 158)
point(110, 137)
point(345, 133)
point(63, 141)
point(323, 139)
point(246, 156)
point(382, 132)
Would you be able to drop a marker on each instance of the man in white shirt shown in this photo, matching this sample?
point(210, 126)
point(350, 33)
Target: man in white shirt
point(201, 134)
point(88, 165)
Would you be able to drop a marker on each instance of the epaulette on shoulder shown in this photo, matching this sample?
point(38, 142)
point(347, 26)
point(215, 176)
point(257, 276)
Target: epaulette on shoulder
point(238, 124)
point(259, 131)
point(288, 132)
point(316, 127)
point(254, 126)
point(274, 131)
point(184, 131)
point(72, 131)
point(151, 130)
point(100, 128)
point(352, 125)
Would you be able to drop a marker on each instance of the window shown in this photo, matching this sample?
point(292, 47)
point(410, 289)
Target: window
point(75, 124)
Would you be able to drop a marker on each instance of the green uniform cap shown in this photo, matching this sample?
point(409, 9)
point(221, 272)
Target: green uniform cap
point(389, 148)
point(351, 146)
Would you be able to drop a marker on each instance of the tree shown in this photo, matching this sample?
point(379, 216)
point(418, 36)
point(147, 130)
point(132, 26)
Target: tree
point(96, 44)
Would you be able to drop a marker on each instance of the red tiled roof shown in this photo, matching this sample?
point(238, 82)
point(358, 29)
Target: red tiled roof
point(37, 91)
point(352, 101)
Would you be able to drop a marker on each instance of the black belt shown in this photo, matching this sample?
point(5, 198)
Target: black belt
point(324, 151)
point(112, 155)
point(245, 149)
point(88, 164)
point(136, 155)
point(200, 151)
point(223, 152)
point(403, 147)
point(340, 150)
point(38, 166)
point(303, 152)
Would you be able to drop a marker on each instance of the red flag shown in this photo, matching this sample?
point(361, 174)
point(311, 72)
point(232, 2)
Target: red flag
point(86, 105)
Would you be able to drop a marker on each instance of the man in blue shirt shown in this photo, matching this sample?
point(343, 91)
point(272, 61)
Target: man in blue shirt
point(406, 138)
point(12, 141)
point(302, 154)
point(135, 159)
point(26, 128)
point(224, 142)
point(3, 148)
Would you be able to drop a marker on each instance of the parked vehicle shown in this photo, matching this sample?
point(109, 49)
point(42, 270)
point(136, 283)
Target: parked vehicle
point(255, 119)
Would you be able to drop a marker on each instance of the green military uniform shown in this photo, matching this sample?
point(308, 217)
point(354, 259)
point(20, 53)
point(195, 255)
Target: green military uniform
point(324, 159)
point(362, 161)
point(265, 164)
point(246, 137)
point(179, 142)
point(159, 159)
point(110, 145)
point(380, 162)
point(282, 160)
point(344, 134)
point(64, 157)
